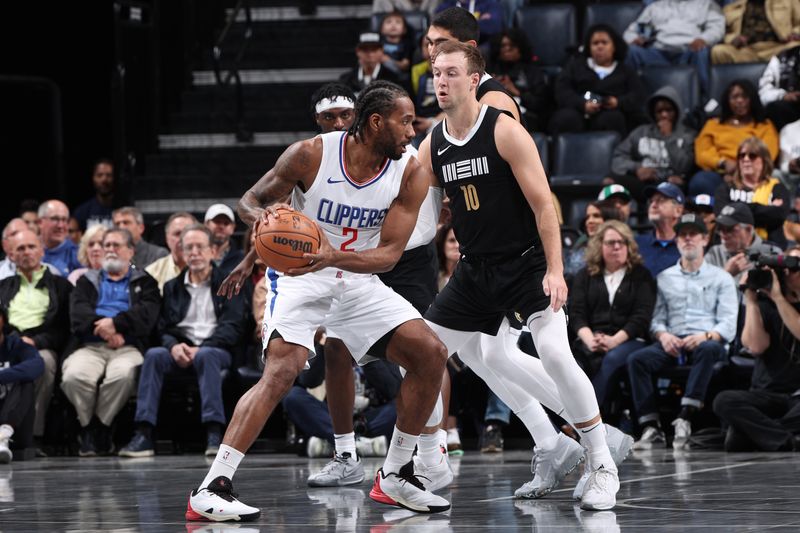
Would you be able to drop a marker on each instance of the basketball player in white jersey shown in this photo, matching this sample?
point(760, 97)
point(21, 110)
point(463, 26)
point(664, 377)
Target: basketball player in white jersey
point(555, 454)
point(505, 223)
point(365, 193)
point(414, 278)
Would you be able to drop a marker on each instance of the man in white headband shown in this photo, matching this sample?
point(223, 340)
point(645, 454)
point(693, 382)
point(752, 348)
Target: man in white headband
point(332, 106)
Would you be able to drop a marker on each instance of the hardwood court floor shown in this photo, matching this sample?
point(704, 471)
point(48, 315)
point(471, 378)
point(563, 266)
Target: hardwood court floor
point(661, 491)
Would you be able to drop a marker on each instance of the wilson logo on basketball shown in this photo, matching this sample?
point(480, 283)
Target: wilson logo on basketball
point(295, 245)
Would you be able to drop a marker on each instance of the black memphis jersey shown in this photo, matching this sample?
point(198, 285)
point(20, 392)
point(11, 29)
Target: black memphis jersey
point(491, 216)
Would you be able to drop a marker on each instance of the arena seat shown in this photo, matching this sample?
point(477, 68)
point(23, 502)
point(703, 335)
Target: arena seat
point(581, 161)
point(722, 75)
point(683, 78)
point(551, 30)
point(618, 15)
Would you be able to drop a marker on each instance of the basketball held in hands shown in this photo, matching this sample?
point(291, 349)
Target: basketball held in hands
point(282, 242)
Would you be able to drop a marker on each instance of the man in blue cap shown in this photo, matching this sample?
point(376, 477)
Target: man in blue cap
point(665, 207)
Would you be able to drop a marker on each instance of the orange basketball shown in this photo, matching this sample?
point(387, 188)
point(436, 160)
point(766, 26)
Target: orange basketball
point(282, 243)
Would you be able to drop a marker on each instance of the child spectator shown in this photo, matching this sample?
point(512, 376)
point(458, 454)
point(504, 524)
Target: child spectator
point(397, 46)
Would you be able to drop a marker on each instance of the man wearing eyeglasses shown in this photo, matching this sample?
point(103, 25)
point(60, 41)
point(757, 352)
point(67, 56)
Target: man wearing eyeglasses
point(59, 251)
point(113, 311)
point(198, 330)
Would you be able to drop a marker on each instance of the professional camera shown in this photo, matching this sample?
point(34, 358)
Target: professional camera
point(761, 278)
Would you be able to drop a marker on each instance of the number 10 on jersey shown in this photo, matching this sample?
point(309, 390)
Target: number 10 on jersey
point(471, 197)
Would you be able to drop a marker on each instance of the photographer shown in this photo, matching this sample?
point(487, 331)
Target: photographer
point(740, 241)
point(767, 417)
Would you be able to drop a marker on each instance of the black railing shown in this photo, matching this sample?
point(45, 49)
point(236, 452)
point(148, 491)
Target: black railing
point(243, 134)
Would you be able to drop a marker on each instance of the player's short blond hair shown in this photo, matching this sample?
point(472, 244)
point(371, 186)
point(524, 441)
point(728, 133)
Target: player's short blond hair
point(475, 62)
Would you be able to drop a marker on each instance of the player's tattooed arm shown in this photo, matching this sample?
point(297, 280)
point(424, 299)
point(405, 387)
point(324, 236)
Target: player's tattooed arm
point(297, 165)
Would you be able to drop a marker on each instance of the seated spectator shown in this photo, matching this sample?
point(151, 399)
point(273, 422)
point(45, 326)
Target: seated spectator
point(426, 106)
point(369, 52)
point(753, 184)
point(597, 90)
point(7, 266)
point(676, 33)
point(112, 313)
point(791, 229)
point(789, 160)
point(385, 6)
point(398, 43)
point(198, 330)
point(374, 409)
point(702, 205)
point(98, 208)
point(658, 248)
point(739, 241)
point(695, 316)
point(59, 251)
point(511, 63)
point(779, 87)
point(171, 265)
point(131, 219)
point(29, 212)
point(715, 148)
point(660, 151)
point(74, 231)
point(488, 13)
point(756, 30)
point(448, 253)
point(765, 417)
point(615, 196)
point(36, 304)
point(90, 252)
point(596, 214)
point(20, 367)
point(611, 304)
point(221, 221)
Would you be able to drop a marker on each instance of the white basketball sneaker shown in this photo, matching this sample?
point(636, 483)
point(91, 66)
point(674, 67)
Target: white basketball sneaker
point(405, 490)
point(340, 471)
point(550, 467)
point(600, 493)
point(6, 433)
point(435, 477)
point(217, 503)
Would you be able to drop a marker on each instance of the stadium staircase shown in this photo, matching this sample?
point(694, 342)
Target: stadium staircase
point(205, 154)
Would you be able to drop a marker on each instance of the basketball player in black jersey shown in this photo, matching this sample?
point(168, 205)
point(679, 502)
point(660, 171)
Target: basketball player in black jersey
point(505, 222)
point(413, 278)
point(555, 455)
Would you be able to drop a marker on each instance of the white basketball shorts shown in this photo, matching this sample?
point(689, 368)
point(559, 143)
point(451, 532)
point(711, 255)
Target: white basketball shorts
point(356, 308)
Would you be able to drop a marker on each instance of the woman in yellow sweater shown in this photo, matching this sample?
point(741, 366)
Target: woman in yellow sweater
point(716, 145)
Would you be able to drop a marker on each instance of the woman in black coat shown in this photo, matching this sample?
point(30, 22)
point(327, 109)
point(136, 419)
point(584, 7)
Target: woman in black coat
point(597, 90)
point(610, 327)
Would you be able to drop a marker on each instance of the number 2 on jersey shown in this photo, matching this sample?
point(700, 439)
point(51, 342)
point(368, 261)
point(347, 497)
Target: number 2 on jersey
point(471, 197)
point(354, 238)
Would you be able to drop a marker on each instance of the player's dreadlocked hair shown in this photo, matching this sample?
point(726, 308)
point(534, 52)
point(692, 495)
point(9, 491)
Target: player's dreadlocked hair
point(331, 91)
point(378, 97)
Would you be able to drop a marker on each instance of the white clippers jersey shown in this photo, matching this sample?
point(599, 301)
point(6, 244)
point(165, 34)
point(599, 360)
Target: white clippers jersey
point(351, 214)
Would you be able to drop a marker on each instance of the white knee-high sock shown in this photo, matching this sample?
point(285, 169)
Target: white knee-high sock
point(549, 331)
point(594, 438)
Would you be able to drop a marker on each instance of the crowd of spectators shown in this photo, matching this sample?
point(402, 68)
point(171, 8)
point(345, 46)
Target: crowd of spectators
point(92, 311)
